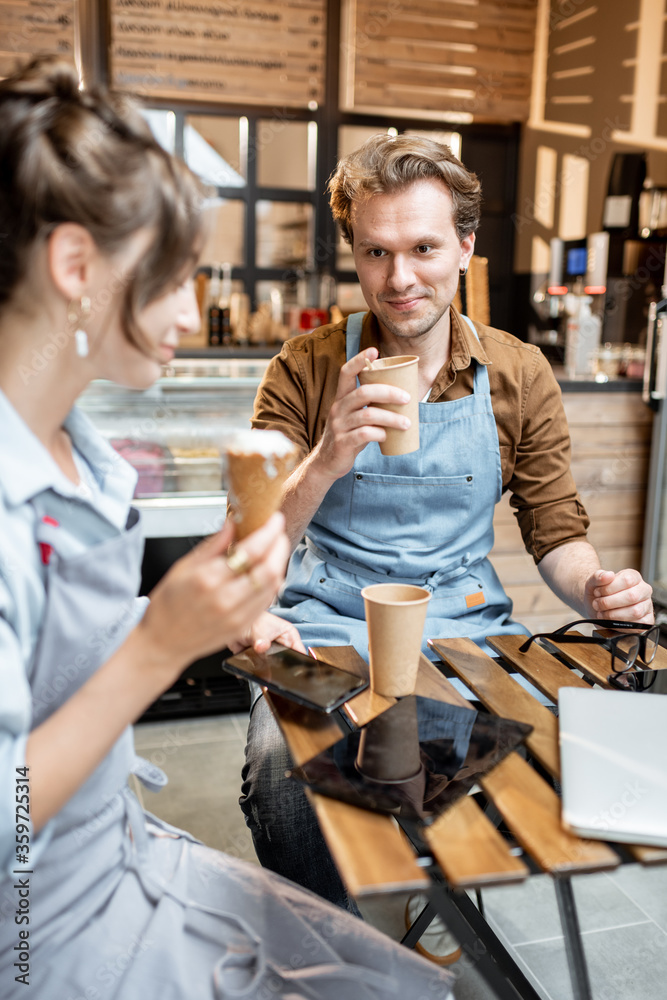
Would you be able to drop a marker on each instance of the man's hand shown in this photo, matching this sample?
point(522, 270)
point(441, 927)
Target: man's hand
point(354, 419)
point(573, 572)
point(623, 595)
point(266, 629)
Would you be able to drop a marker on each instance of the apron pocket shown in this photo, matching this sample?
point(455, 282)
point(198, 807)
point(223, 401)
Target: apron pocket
point(391, 508)
point(477, 595)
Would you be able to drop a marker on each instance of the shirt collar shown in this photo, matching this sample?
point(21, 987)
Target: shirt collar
point(465, 345)
point(27, 469)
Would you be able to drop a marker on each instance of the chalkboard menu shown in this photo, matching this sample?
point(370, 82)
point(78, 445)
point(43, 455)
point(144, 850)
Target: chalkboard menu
point(29, 27)
point(236, 51)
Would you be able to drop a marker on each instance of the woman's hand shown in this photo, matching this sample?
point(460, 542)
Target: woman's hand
point(266, 629)
point(209, 600)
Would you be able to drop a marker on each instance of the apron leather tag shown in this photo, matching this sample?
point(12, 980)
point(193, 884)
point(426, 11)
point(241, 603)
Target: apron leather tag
point(472, 600)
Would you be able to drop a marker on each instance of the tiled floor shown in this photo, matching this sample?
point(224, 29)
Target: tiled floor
point(623, 916)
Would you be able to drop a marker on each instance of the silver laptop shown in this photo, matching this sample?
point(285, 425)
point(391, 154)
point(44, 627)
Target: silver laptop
point(613, 753)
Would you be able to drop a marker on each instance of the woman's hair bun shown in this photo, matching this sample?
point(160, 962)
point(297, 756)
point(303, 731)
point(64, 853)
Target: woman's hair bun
point(87, 156)
point(44, 77)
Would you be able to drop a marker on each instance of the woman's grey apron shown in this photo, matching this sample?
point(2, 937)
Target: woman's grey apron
point(124, 906)
point(425, 518)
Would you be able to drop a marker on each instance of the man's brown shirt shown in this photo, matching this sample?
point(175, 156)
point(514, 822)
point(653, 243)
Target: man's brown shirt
point(300, 384)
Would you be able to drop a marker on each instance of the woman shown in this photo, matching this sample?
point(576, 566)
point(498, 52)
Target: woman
point(100, 230)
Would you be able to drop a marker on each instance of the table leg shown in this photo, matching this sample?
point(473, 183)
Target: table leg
point(574, 948)
point(480, 901)
point(480, 945)
point(417, 929)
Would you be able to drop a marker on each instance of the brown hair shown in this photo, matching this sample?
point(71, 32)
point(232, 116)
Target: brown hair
point(387, 163)
point(71, 155)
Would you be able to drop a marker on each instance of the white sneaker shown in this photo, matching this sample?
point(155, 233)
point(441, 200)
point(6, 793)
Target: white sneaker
point(436, 943)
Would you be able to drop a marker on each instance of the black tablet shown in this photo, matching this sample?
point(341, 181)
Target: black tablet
point(414, 760)
point(296, 676)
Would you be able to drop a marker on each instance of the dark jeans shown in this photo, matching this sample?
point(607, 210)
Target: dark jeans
point(282, 823)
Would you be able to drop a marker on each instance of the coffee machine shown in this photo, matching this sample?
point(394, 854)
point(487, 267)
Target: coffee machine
point(575, 294)
point(636, 252)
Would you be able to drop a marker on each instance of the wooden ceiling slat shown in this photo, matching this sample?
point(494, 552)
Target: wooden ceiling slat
point(481, 57)
point(482, 13)
point(409, 28)
point(437, 79)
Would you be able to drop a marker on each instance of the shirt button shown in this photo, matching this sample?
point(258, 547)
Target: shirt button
point(468, 479)
point(358, 476)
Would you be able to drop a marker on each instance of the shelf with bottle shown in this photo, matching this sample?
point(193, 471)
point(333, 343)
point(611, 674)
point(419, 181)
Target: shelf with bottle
point(295, 304)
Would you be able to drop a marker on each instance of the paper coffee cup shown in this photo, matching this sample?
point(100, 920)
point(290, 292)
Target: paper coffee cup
point(389, 744)
point(395, 616)
point(258, 463)
point(403, 373)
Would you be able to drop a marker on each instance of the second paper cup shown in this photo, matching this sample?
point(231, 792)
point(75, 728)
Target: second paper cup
point(395, 616)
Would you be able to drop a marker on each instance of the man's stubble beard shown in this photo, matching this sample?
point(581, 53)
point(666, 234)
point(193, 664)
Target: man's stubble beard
point(405, 330)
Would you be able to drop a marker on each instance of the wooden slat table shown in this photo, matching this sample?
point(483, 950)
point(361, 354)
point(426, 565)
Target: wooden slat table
point(539, 667)
point(591, 660)
point(347, 829)
point(471, 853)
point(549, 675)
point(371, 852)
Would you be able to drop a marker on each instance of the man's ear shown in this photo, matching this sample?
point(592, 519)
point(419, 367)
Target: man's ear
point(70, 253)
point(467, 249)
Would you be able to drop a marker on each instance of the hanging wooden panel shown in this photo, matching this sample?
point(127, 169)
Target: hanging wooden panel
point(29, 27)
point(591, 63)
point(454, 60)
point(262, 52)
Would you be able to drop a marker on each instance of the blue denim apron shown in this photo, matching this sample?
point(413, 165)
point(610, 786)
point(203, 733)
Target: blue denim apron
point(126, 907)
point(424, 518)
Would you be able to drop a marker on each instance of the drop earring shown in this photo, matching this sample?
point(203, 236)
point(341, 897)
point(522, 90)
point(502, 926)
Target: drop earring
point(81, 338)
point(76, 316)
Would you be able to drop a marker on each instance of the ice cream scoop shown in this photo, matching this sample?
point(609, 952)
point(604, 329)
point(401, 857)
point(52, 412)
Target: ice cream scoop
point(258, 463)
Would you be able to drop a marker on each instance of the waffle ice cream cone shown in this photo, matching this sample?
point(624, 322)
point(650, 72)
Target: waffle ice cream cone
point(258, 463)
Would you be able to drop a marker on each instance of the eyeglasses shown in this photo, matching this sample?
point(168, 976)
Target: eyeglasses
point(625, 649)
point(632, 680)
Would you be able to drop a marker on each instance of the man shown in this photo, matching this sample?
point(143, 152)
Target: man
point(491, 419)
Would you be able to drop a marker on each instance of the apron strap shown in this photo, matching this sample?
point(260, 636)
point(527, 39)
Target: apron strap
point(470, 324)
point(355, 323)
point(481, 376)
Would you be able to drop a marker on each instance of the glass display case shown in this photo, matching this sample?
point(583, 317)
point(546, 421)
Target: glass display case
point(174, 435)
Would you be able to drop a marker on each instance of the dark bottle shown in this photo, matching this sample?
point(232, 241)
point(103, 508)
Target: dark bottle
point(214, 310)
point(225, 326)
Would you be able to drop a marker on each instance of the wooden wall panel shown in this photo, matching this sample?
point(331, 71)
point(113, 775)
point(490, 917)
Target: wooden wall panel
point(610, 435)
point(455, 60)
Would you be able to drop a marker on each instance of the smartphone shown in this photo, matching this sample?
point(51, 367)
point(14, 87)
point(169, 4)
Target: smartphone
point(298, 677)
